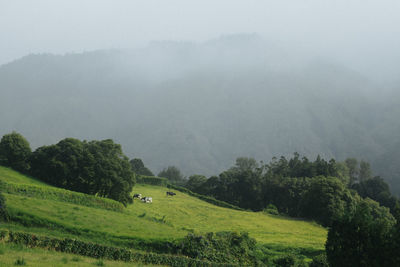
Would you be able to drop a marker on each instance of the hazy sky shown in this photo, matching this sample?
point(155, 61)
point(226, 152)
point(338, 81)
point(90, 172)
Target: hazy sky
point(362, 33)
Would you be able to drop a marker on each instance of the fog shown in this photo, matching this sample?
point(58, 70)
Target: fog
point(363, 35)
point(198, 84)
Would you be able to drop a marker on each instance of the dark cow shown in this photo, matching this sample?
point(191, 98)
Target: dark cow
point(137, 196)
point(170, 193)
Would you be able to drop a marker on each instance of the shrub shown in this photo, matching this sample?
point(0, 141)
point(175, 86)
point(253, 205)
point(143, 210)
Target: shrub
point(20, 261)
point(15, 151)
point(105, 252)
point(3, 209)
point(289, 260)
point(319, 261)
point(271, 209)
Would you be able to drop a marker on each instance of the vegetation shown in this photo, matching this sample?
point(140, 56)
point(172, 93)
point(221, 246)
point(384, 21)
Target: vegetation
point(319, 190)
point(15, 152)
point(364, 236)
point(57, 194)
point(3, 208)
point(139, 168)
point(142, 224)
point(35, 257)
point(95, 167)
point(172, 173)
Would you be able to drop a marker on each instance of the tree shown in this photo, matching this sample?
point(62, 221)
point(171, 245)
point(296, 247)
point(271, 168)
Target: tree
point(365, 171)
point(15, 151)
point(377, 189)
point(195, 183)
point(361, 237)
point(352, 165)
point(95, 167)
point(139, 168)
point(172, 173)
point(325, 200)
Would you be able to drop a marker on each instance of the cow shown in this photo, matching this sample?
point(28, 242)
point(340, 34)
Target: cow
point(170, 193)
point(147, 199)
point(137, 196)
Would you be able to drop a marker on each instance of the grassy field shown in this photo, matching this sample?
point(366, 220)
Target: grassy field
point(167, 218)
point(14, 255)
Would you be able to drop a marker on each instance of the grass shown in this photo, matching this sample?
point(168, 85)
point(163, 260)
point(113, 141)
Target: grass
point(15, 255)
point(167, 218)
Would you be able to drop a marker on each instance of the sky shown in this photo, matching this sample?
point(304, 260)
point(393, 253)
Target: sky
point(363, 34)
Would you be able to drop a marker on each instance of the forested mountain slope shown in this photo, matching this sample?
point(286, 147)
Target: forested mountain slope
point(200, 106)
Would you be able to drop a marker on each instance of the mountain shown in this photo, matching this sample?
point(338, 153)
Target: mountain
point(199, 106)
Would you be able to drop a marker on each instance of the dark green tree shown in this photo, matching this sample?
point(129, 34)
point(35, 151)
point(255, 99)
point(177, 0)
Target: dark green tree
point(139, 168)
point(15, 151)
point(352, 165)
point(325, 200)
point(172, 173)
point(377, 189)
point(365, 171)
point(95, 167)
point(195, 183)
point(361, 237)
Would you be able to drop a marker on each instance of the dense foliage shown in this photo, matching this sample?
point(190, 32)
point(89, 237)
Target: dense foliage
point(139, 168)
point(3, 208)
point(95, 167)
point(319, 190)
point(297, 187)
point(364, 236)
point(101, 251)
point(172, 173)
point(228, 247)
point(15, 151)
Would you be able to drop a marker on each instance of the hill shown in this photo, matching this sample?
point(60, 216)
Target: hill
point(143, 226)
point(200, 106)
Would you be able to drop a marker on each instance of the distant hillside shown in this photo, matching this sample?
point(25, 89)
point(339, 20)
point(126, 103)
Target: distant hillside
point(199, 106)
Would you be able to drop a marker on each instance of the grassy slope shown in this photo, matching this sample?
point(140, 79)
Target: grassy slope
point(167, 217)
point(10, 253)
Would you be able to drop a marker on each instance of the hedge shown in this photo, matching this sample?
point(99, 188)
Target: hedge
point(59, 194)
point(204, 198)
point(100, 251)
point(152, 180)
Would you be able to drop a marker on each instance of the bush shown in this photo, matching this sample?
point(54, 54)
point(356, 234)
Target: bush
point(104, 252)
point(271, 209)
point(319, 261)
point(20, 261)
point(289, 261)
point(222, 247)
point(15, 152)
point(3, 209)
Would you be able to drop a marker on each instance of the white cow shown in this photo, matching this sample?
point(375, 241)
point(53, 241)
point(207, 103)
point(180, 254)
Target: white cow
point(147, 199)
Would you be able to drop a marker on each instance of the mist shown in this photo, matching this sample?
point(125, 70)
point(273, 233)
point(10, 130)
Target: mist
point(198, 84)
point(362, 35)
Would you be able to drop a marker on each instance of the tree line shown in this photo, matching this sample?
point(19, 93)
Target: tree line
point(95, 167)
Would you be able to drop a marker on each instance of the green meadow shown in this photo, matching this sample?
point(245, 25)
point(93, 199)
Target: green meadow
point(16, 255)
point(166, 219)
